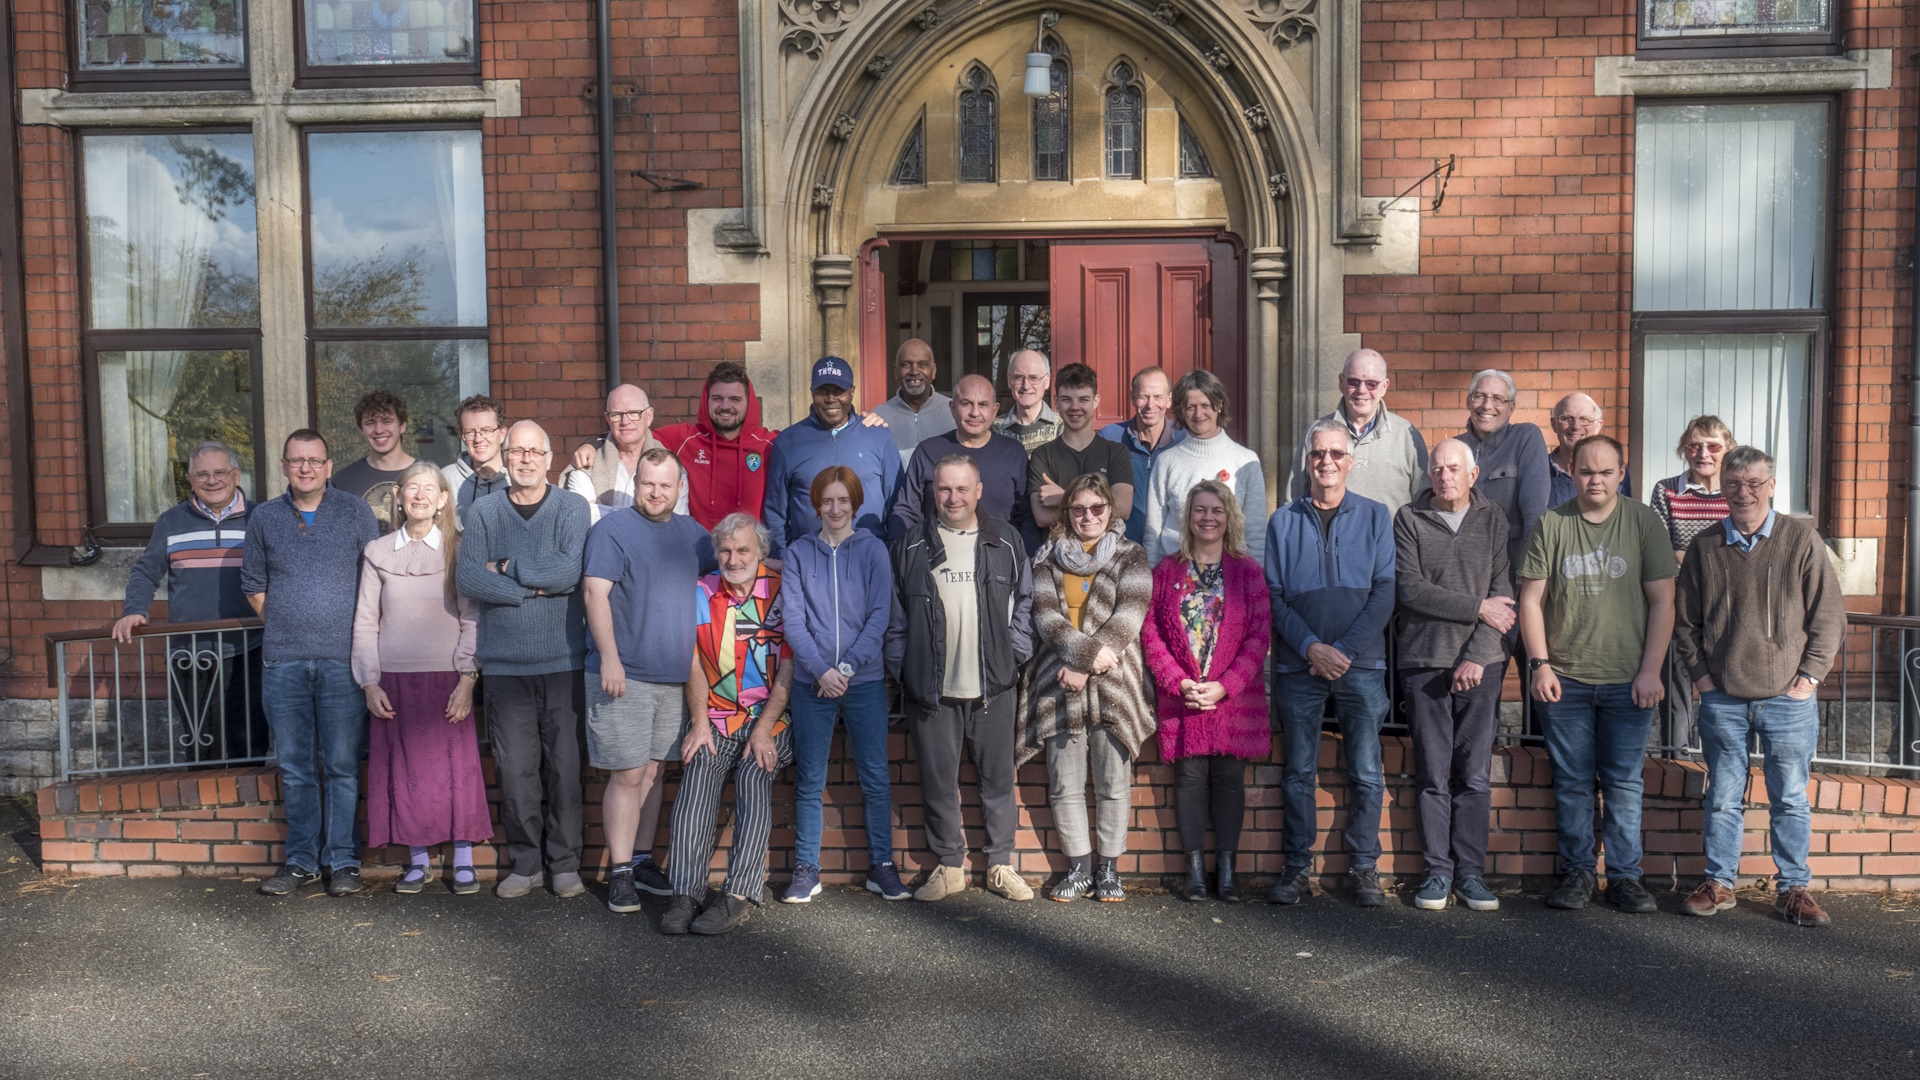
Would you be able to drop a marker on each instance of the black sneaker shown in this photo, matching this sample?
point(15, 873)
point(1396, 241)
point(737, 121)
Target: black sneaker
point(622, 897)
point(726, 912)
point(1574, 891)
point(1292, 887)
point(345, 881)
point(1106, 883)
point(288, 879)
point(1366, 888)
point(679, 916)
point(1075, 885)
point(648, 878)
point(1629, 896)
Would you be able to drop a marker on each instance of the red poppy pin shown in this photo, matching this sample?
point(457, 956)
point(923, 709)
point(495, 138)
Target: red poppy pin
point(1223, 475)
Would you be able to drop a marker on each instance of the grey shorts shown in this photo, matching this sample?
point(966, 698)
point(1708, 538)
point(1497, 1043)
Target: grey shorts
point(644, 724)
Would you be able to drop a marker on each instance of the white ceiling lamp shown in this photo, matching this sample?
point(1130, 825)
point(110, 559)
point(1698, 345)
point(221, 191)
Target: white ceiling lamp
point(1040, 63)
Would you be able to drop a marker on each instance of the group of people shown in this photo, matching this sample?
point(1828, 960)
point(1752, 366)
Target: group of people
point(727, 596)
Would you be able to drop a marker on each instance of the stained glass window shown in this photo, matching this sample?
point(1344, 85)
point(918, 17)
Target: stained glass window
point(1711, 18)
point(979, 137)
point(162, 35)
point(911, 166)
point(1123, 125)
point(389, 32)
point(1050, 126)
point(1193, 157)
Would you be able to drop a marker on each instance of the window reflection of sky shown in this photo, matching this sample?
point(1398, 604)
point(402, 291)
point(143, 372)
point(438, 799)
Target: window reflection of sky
point(144, 191)
point(403, 192)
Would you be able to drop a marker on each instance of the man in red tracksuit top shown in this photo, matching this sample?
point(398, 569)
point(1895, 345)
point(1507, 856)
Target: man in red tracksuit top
point(725, 451)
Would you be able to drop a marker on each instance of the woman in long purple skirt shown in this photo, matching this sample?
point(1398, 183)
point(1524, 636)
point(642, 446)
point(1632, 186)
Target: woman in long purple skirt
point(413, 640)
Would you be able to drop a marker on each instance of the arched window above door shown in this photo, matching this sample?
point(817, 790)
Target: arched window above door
point(1052, 132)
point(979, 128)
point(1123, 122)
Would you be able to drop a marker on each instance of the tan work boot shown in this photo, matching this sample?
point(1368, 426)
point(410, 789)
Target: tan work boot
point(1002, 881)
point(943, 882)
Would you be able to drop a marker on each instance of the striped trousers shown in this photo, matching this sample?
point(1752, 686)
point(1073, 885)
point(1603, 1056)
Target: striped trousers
point(697, 808)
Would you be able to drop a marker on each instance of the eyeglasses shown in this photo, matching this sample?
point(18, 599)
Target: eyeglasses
point(1478, 398)
point(1328, 455)
point(482, 432)
point(1708, 447)
point(1576, 421)
point(298, 463)
point(1368, 385)
point(210, 477)
point(1755, 486)
point(527, 453)
point(629, 416)
point(1096, 510)
point(1026, 380)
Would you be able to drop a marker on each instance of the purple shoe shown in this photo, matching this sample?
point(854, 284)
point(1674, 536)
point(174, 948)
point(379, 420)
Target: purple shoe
point(806, 885)
point(885, 880)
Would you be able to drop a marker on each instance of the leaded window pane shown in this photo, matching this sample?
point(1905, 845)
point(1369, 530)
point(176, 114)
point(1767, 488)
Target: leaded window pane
point(155, 407)
point(1711, 18)
point(1123, 126)
point(163, 35)
point(171, 231)
point(432, 376)
point(911, 166)
point(1193, 157)
point(979, 136)
point(1050, 128)
point(389, 32)
point(399, 228)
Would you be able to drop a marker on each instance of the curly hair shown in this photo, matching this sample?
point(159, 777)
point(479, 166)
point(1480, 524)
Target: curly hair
point(379, 403)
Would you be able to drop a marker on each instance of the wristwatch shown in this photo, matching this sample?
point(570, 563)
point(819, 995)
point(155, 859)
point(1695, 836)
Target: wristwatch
point(1536, 663)
point(844, 668)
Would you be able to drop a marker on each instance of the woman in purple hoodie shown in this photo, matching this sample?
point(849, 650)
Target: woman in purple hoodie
point(837, 589)
point(1206, 644)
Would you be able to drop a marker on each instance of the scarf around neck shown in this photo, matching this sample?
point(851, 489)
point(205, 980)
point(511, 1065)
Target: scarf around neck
point(1071, 555)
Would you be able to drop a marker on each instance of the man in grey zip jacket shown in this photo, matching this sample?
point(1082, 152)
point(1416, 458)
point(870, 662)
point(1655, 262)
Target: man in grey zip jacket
point(961, 627)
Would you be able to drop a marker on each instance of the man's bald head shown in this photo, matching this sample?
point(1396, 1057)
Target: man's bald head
point(1363, 385)
point(629, 416)
point(1366, 363)
point(1575, 417)
point(626, 396)
point(914, 367)
point(974, 407)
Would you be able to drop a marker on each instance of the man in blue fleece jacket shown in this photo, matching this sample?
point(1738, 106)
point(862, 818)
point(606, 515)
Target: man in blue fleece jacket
point(831, 434)
point(1330, 558)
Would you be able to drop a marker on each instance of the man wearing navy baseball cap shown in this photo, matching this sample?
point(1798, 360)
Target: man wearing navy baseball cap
point(831, 434)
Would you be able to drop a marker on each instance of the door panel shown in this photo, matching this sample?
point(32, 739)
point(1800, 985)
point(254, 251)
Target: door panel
point(1124, 306)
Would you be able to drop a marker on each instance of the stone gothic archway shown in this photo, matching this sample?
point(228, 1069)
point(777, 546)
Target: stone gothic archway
point(831, 89)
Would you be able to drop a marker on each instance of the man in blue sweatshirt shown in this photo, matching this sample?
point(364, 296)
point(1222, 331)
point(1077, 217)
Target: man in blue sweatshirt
point(300, 569)
point(831, 434)
point(1330, 559)
point(195, 549)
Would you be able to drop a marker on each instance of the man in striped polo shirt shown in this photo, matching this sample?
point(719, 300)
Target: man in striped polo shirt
point(195, 549)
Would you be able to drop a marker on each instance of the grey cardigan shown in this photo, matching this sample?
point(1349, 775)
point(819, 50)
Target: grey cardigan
point(1442, 576)
point(1517, 476)
point(521, 632)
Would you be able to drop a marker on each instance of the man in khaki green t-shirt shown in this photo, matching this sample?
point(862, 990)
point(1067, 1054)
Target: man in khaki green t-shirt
point(1596, 612)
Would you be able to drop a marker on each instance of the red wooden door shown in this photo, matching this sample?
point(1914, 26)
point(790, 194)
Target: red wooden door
point(1121, 306)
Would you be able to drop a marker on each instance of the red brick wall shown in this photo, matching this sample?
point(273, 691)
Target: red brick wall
point(1866, 830)
point(1528, 264)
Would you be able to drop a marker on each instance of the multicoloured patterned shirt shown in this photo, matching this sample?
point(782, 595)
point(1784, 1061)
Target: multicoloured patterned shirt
point(1202, 609)
point(741, 644)
point(1687, 509)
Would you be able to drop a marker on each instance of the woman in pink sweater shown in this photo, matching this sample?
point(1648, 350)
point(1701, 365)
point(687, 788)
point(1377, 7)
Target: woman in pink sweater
point(1206, 644)
point(413, 639)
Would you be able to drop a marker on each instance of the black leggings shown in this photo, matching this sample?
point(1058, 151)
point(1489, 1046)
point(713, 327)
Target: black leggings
point(1213, 785)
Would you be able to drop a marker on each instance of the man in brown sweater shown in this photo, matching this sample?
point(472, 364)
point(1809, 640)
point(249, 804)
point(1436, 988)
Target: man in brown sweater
point(1758, 625)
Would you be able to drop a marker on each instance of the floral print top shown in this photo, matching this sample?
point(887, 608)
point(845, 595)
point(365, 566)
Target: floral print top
point(1202, 609)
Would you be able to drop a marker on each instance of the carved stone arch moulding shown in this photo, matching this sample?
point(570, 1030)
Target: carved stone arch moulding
point(809, 27)
point(1284, 22)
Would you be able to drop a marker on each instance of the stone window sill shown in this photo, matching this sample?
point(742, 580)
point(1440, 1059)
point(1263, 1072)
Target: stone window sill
point(1859, 69)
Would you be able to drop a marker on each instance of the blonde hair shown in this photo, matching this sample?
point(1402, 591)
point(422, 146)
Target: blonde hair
point(1704, 425)
point(443, 519)
point(1236, 535)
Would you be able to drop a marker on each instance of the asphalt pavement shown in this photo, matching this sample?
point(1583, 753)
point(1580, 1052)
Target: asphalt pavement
point(192, 978)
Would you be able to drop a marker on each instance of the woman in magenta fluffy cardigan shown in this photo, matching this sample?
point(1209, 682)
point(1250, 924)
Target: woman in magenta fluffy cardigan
point(1206, 644)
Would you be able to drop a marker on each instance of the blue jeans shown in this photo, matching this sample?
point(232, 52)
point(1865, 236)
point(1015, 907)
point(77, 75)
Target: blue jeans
point(1789, 730)
point(1595, 733)
point(863, 708)
point(1360, 698)
point(318, 716)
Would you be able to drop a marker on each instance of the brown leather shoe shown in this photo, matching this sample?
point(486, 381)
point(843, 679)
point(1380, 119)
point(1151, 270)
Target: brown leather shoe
point(1797, 907)
point(1710, 898)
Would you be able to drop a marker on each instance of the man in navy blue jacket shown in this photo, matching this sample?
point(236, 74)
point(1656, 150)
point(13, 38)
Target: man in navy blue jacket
point(195, 549)
point(1330, 559)
point(831, 434)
